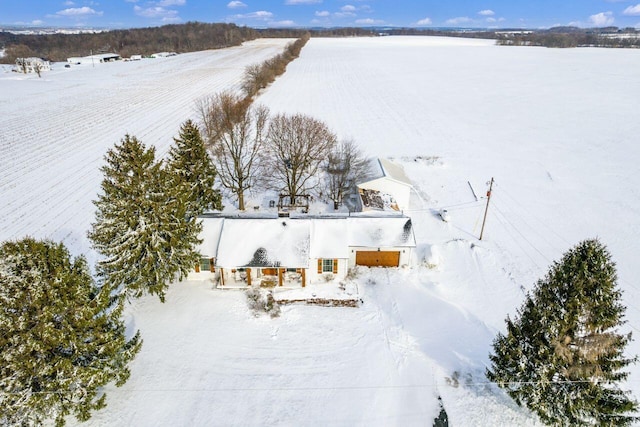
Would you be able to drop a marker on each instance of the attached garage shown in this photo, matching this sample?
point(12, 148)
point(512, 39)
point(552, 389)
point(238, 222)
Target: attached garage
point(378, 258)
point(380, 241)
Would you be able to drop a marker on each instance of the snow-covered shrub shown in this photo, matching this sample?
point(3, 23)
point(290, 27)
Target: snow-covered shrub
point(328, 277)
point(454, 380)
point(353, 272)
point(262, 301)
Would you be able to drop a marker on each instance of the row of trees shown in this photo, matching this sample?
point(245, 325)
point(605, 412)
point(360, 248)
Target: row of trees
point(251, 148)
point(259, 76)
point(565, 37)
point(189, 37)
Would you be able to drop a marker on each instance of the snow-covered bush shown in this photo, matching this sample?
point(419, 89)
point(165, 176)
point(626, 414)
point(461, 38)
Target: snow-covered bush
point(353, 272)
point(328, 277)
point(262, 301)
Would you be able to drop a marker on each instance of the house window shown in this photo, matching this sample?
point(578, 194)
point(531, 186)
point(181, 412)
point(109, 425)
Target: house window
point(206, 264)
point(327, 266)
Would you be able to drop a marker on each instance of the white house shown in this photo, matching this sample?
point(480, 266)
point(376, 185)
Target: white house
point(388, 179)
point(295, 251)
point(32, 65)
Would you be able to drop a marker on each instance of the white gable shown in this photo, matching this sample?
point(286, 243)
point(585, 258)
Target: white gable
point(389, 178)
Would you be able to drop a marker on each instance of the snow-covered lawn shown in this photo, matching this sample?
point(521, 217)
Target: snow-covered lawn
point(557, 129)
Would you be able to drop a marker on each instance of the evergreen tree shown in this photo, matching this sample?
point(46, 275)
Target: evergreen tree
point(562, 355)
point(62, 336)
point(143, 227)
point(192, 171)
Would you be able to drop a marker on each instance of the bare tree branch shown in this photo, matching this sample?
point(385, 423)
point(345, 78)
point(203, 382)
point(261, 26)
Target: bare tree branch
point(296, 146)
point(234, 133)
point(344, 167)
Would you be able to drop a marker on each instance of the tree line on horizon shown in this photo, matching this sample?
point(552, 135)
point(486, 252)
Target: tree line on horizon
point(197, 36)
point(181, 38)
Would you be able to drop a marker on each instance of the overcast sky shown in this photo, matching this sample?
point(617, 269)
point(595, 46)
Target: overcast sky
point(325, 13)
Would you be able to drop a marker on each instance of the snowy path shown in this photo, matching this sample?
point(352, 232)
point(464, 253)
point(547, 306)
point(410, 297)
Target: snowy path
point(55, 130)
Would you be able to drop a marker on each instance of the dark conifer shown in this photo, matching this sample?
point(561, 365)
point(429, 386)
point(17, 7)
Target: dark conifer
point(192, 171)
point(562, 355)
point(62, 338)
point(142, 229)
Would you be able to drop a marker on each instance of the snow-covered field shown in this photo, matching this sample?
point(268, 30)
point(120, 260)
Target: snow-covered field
point(557, 129)
point(54, 131)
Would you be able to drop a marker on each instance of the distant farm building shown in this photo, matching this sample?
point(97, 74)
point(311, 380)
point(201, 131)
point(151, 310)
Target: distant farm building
point(94, 59)
point(163, 54)
point(32, 65)
point(388, 186)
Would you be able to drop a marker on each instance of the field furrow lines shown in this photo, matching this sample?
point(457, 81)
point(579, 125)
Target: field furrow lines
point(56, 130)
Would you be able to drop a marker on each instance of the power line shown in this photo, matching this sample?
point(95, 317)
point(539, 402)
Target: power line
point(538, 220)
point(520, 233)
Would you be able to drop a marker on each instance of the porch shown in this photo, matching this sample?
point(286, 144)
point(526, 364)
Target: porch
point(266, 277)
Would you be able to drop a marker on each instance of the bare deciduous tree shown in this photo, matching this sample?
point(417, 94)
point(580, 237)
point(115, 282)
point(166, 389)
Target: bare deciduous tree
point(234, 132)
point(21, 63)
point(296, 146)
point(344, 167)
point(37, 67)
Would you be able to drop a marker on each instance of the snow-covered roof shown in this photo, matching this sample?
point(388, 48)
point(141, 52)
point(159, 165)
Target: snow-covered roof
point(380, 232)
point(383, 168)
point(394, 171)
point(210, 235)
point(329, 238)
point(292, 242)
point(264, 243)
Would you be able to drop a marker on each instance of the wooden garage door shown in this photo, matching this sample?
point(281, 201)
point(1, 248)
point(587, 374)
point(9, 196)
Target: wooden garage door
point(378, 258)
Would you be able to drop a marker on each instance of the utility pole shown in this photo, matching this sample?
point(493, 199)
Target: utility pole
point(486, 209)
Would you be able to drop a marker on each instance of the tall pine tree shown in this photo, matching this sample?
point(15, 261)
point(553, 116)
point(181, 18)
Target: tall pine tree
point(62, 338)
point(562, 355)
point(143, 228)
point(192, 171)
